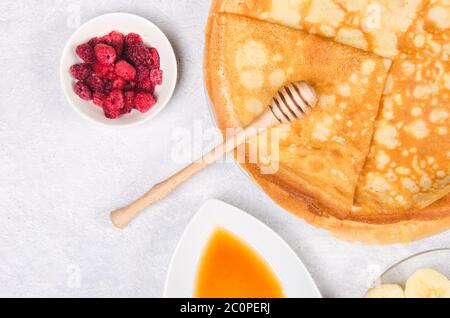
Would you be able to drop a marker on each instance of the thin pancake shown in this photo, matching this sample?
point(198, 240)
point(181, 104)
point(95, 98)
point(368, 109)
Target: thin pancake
point(378, 26)
point(409, 167)
point(398, 232)
point(409, 164)
point(321, 156)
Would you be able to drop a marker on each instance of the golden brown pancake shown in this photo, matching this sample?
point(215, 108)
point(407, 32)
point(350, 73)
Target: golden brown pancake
point(409, 165)
point(322, 155)
point(369, 233)
point(397, 181)
point(375, 25)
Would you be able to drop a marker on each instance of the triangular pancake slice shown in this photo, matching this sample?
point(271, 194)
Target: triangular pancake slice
point(321, 156)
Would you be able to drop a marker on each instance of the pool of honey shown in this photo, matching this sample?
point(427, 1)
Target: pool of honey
point(230, 268)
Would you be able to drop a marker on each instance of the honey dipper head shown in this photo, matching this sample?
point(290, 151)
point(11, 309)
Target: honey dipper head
point(308, 93)
point(293, 102)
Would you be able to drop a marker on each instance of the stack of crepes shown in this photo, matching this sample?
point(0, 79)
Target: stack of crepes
point(372, 164)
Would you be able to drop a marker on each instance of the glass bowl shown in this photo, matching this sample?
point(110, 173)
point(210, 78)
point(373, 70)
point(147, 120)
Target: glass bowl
point(437, 259)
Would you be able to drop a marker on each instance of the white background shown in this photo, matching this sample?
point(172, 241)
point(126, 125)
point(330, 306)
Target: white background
point(61, 175)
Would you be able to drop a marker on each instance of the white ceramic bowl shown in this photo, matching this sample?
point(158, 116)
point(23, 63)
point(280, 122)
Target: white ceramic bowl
point(182, 275)
point(124, 23)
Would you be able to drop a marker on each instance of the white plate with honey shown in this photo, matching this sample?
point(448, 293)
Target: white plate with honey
point(226, 253)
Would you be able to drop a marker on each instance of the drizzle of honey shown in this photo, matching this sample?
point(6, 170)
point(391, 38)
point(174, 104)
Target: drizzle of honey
point(230, 268)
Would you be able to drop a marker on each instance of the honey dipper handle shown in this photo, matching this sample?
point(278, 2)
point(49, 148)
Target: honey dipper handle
point(122, 217)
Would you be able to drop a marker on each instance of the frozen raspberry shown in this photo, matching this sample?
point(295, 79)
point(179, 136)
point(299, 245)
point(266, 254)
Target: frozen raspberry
point(138, 54)
point(119, 83)
point(98, 98)
point(156, 63)
point(112, 76)
point(85, 52)
point(156, 76)
point(94, 41)
point(142, 72)
point(116, 40)
point(143, 102)
point(129, 102)
point(111, 113)
point(147, 85)
point(117, 99)
point(125, 70)
point(105, 54)
point(80, 71)
point(83, 91)
point(95, 84)
point(133, 38)
point(103, 71)
point(113, 104)
point(107, 86)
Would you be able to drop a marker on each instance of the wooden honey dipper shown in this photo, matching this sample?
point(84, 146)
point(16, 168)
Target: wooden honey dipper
point(291, 103)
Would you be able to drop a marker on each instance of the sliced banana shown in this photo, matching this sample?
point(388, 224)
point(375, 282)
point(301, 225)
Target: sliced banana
point(386, 291)
point(427, 283)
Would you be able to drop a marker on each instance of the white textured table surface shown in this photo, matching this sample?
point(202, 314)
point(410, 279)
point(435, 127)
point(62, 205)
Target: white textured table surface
point(60, 175)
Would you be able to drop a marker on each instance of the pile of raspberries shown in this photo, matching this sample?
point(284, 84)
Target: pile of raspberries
point(118, 73)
